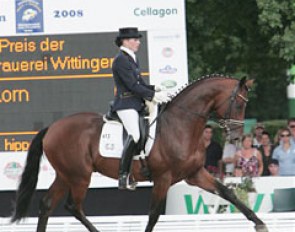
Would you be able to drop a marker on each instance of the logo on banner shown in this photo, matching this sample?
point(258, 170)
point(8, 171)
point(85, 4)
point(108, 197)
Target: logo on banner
point(29, 16)
point(167, 52)
point(13, 170)
point(2, 18)
point(168, 69)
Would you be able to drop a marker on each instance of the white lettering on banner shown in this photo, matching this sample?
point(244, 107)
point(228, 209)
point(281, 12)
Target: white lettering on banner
point(149, 11)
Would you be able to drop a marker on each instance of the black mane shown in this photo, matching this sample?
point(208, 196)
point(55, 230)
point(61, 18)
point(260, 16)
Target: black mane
point(197, 81)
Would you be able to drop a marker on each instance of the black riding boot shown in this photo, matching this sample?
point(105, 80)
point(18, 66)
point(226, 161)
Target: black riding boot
point(125, 164)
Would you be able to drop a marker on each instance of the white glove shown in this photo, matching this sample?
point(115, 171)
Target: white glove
point(151, 105)
point(159, 88)
point(161, 97)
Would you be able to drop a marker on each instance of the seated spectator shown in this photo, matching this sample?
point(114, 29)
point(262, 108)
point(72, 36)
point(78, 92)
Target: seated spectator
point(273, 167)
point(285, 154)
point(266, 150)
point(228, 157)
point(249, 159)
point(213, 154)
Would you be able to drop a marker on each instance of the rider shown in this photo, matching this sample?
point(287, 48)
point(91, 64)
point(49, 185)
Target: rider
point(130, 96)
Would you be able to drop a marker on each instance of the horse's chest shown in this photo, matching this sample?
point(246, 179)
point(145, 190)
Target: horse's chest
point(194, 162)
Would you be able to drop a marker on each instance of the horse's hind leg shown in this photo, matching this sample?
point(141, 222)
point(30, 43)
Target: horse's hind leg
point(205, 181)
point(159, 194)
point(49, 202)
point(74, 205)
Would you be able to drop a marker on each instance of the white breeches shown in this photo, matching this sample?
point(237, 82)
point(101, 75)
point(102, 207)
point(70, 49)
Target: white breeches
point(130, 119)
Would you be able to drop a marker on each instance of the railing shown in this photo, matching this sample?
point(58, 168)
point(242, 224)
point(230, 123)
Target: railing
point(276, 222)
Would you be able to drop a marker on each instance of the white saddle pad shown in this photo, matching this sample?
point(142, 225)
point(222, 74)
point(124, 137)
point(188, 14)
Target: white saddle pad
point(111, 139)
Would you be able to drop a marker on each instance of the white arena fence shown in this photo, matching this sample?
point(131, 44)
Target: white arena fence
point(276, 222)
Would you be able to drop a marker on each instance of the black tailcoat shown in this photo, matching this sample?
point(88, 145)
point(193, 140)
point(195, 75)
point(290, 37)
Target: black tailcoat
point(131, 90)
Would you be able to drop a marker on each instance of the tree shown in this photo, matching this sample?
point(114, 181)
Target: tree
point(237, 38)
point(277, 20)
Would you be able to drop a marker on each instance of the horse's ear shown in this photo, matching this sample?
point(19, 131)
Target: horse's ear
point(249, 84)
point(242, 81)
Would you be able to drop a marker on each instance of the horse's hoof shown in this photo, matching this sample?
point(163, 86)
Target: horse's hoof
point(261, 228)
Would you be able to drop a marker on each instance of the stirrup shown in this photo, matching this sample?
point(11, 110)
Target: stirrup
point(125, 182)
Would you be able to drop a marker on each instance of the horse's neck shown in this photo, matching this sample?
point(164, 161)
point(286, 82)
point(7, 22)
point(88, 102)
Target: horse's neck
point(189, 113)
point(197, 103)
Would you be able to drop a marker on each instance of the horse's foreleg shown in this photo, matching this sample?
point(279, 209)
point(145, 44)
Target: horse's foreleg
point(228, 194)
point(157, 204)
point(74, 205)
point(205, 181)
point(49, 202)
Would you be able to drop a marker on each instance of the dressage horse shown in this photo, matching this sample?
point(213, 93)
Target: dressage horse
point(71, 145)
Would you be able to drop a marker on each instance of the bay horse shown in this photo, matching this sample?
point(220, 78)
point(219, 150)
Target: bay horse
point(71, 146)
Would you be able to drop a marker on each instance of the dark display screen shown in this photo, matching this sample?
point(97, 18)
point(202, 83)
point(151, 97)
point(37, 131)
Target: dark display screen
point(44, 78)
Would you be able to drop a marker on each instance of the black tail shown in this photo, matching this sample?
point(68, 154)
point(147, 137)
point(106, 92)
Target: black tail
point(29, 177)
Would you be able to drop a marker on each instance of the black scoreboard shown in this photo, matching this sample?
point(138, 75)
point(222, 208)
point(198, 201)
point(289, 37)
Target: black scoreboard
point(46, 77)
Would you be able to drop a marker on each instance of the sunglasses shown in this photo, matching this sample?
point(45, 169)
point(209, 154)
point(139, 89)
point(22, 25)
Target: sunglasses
point(285, 135)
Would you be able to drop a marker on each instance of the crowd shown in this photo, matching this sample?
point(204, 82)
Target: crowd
point(257, 154)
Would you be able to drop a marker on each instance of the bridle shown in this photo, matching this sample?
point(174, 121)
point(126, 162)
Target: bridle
point(226, 121)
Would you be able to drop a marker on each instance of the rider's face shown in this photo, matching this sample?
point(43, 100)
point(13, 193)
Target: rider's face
point(132, 44)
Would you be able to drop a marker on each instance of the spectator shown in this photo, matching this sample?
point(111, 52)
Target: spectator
point(285, 154)
point(259, 128)
point(266, 150)
point(228, 157)
point(277, 137)
point(213, 154)
point(273, 167)
point(249, 159)
point(291, 126)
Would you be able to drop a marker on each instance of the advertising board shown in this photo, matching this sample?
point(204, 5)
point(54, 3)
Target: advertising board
point(56, 58)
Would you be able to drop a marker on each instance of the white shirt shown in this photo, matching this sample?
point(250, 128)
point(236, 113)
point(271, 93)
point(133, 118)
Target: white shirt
point(129, 52)
point(229, 151)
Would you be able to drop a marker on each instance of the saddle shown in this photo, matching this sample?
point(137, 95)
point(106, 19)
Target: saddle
point(143, 126)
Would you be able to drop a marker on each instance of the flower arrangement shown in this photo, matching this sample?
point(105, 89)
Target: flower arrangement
point(243, 189)
point(247, 184)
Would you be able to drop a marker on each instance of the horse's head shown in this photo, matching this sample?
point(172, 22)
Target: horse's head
point(225, 96)
point(230, 107)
